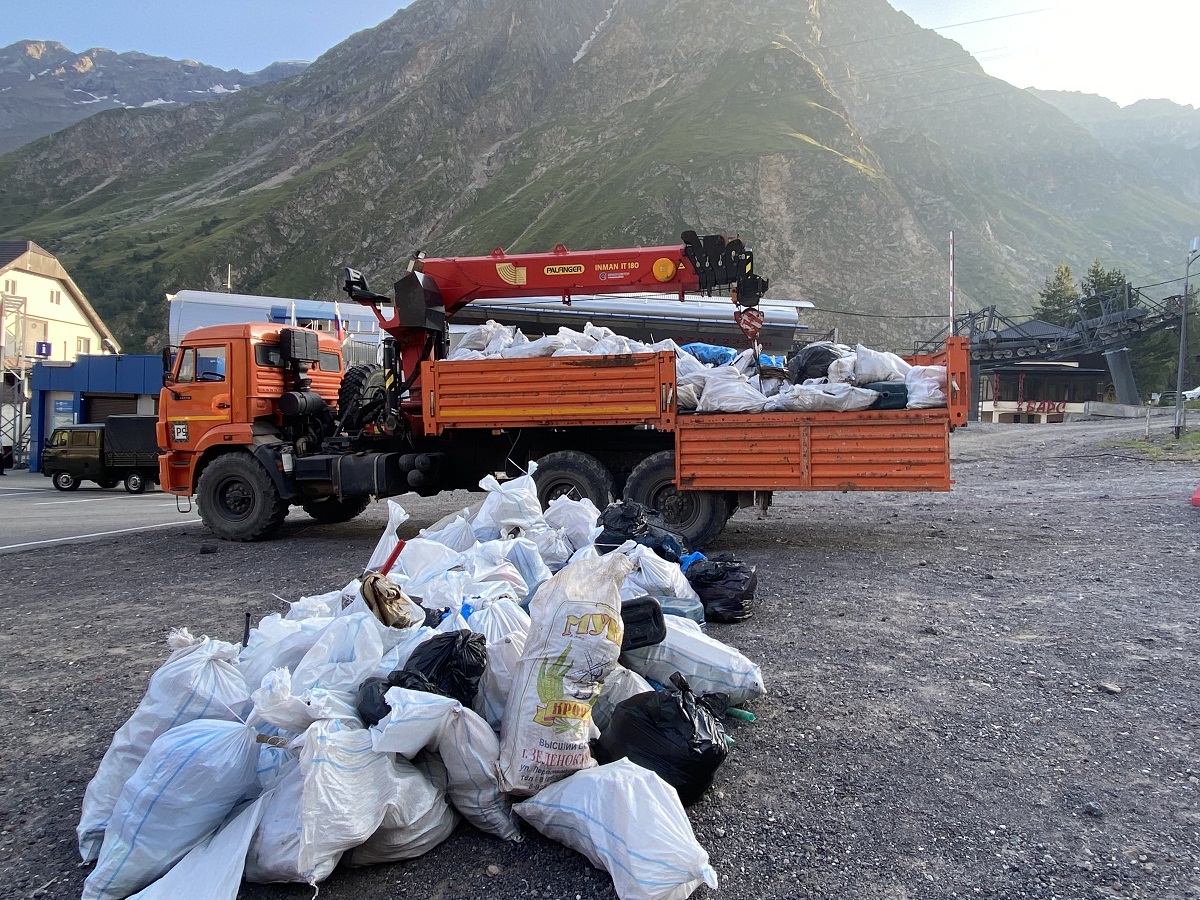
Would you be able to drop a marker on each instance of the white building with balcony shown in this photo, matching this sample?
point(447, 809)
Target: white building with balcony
point(43, 316)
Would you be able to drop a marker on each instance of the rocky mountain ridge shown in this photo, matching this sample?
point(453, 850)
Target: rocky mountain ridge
point(1158, 137)
point(842, 141)
point(45, 87)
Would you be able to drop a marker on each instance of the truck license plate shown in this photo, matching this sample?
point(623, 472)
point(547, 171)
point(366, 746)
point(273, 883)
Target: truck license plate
point(179, 432)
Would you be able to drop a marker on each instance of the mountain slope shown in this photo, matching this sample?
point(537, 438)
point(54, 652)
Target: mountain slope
point(842, 142)
point(44, 87)
point(1157, 137)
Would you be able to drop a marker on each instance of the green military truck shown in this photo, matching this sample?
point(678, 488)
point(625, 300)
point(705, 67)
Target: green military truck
point(123, 449)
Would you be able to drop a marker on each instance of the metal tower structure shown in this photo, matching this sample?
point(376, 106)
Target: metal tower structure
point(14, 364)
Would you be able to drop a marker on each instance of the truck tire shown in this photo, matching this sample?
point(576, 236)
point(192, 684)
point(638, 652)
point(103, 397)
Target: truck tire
point(135, 482)
point(65, 481)
point(330, 510)
point(358, 385)
point(569, 473)
point(238, 500)
point(698, 515)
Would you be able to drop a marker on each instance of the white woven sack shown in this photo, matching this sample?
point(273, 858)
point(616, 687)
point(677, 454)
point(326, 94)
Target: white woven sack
point(573, 643)
point(629, 822)
point(200, 680)
point(185, 787)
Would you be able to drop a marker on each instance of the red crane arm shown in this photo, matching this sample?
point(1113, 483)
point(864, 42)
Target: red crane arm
point(560, 273)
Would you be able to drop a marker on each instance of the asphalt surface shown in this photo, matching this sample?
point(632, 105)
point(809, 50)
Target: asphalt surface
point(34, 515)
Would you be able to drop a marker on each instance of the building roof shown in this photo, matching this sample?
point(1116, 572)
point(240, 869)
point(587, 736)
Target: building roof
point(27, 256)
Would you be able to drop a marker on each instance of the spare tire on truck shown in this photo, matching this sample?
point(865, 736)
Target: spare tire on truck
point(238, 500)
point(360, 386)
point(698, 515)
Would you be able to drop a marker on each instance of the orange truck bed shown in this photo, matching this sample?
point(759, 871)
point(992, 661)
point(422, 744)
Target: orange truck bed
point(871, 450)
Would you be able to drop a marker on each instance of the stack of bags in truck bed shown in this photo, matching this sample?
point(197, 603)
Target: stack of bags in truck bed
point(478, 678)
point(821, 377)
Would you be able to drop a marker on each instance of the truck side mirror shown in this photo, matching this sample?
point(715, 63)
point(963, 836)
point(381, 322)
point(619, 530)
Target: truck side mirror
point(168, 363)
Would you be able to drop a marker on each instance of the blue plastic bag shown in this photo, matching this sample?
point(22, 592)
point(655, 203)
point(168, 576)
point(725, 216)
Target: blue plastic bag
point(711, 354)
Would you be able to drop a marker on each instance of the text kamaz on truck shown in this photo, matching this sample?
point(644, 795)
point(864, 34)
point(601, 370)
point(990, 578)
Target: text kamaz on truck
point(256, 418)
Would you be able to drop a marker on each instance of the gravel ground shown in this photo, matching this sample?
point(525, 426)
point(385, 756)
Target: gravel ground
point(992, 692)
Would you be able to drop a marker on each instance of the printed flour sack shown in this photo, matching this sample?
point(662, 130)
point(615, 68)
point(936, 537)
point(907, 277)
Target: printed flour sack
point(574, 641)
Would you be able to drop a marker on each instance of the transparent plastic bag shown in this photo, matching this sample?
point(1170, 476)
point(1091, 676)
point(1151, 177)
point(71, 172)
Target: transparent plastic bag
point(710, 666)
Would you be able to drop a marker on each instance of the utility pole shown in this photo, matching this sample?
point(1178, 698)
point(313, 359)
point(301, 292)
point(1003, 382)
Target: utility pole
point(1183, 314)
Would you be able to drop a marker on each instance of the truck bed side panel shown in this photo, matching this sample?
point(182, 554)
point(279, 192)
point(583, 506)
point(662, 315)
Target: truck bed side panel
point(880, 450)
point(559, 392)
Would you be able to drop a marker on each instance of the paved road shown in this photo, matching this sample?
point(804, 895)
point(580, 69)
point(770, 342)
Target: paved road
point(34, 515)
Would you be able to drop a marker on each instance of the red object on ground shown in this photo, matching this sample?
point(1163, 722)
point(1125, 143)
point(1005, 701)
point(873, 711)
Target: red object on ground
point(1196, 497)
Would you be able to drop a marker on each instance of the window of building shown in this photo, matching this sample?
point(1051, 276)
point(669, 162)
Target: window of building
point(83, 345)
point(10, 286)
point(56, 298)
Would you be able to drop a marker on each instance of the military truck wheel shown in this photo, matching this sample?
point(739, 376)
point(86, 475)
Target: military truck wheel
point(330, 510)
point(238, 500)
point(65, 481)
point(698, 515)
point(568, 473)
point(135, 483)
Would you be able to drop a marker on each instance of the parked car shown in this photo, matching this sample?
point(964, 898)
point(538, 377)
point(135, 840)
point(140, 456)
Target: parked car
point(1193, 394)
point(123, 449)
point(1166, 398)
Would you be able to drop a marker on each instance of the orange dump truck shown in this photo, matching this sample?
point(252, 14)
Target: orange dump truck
point(257, 418)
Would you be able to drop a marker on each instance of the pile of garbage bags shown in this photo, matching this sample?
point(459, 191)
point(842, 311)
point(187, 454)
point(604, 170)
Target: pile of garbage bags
point(479, 671)
point(821, 377)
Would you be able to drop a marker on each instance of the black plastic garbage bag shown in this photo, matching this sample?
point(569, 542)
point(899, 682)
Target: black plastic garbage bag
point(628, 520)
point(453, 663)
point(372, 708)
point(813, 360)
point(671, 732)
point(726, 588)
point(372, 694)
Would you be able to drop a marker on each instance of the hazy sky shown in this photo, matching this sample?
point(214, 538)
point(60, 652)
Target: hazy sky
point(1122, 50)
point(1125, 50)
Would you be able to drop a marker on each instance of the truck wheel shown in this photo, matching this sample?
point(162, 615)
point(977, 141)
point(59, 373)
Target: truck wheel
point(568, 473)
point(65, 481)
point(359, 385)
point(238, 500)
point(135, 483)
point(698, 515)
point(330, 510)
